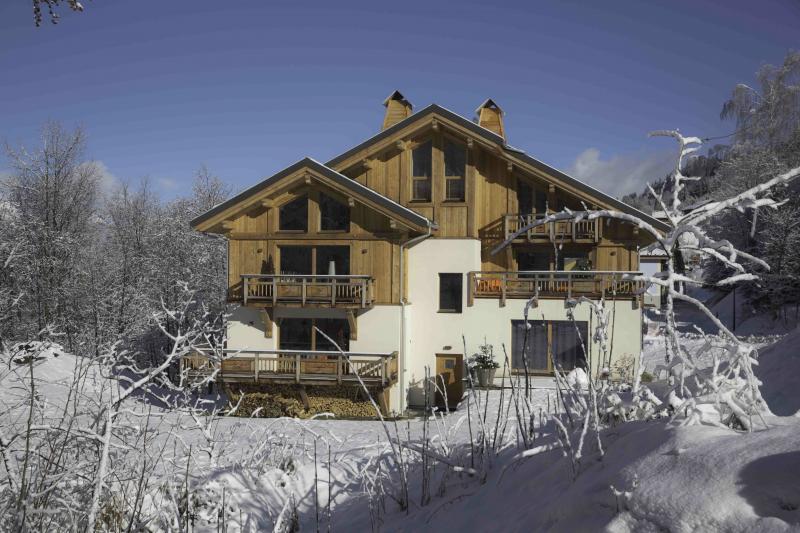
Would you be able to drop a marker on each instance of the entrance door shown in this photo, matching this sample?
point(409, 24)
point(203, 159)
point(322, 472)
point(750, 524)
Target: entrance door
point(450, 370)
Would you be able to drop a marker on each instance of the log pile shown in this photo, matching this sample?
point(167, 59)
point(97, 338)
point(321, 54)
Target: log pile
point(270, 401)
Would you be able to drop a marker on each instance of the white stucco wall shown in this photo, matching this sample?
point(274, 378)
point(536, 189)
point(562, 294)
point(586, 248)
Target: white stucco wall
point(431, 332)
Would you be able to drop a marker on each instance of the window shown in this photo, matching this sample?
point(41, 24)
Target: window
point(333, 260)
point(421, 172)
point(562, 342)
point(455, 168)
point(296, 260)
point(334, 216)
point(319, 260)
point(531, 199)
point(300, 334)
point(532, 261)
point(294, 215)
point(574, 260)
point(450, 287)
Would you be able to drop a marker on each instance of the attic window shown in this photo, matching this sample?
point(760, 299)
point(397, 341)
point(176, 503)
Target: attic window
point(334, 216)
point(422, 170)
point(294, 215)
point(455, 168)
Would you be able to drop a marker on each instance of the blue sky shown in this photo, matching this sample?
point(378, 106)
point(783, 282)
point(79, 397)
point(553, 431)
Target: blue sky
point(248, 87)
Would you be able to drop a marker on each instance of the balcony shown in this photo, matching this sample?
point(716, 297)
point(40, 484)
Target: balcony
point(585, 231)
point(353, 292)
point(300, 367)
point(554, 284)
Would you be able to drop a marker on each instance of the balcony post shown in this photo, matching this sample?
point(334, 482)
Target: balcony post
point(503, 289)
point(297, 368)
point(274, 291)
point(569, 285)
point(303, 293)
point(471, 293)
point(255, 362)
point(364, 292)
point(383, 370)
point(333, 292)
point(505, 226)
point(339, 369)
point(245, 289)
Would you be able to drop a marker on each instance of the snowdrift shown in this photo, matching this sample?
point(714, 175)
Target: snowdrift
point(779, 370)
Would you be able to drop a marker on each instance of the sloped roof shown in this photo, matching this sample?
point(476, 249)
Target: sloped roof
point(514, 152)
point(358, 189)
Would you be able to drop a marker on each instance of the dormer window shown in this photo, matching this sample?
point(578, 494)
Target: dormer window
point(422, 172)
point(455, 169)
point(294, 215)
point(334, 215)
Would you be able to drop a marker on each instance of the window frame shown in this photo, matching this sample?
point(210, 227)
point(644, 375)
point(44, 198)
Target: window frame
point(459, 308)
point(462, 178)
point(418, 179)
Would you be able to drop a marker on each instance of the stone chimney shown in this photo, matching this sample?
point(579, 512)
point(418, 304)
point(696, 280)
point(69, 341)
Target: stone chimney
point(397, 108)
point(490, 116)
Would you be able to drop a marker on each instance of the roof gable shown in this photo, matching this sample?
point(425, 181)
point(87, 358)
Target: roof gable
point(311, 169)
point(513, 155)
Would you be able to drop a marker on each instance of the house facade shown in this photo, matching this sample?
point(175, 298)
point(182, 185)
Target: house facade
point(390, 252)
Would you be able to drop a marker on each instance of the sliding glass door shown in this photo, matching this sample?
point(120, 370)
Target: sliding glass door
point(549, 342)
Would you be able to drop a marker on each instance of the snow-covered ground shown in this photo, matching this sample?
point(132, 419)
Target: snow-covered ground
point(252, 474)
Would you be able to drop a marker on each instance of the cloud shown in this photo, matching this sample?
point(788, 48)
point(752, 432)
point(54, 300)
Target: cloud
point(621, 174)
point(108, 181)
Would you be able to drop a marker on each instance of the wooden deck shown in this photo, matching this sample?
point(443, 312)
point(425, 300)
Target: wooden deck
point(308, 291)
point(297, 367)
point(585, 231)
point(554, 284)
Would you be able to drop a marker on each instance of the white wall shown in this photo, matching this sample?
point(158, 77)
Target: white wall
point(431, 332)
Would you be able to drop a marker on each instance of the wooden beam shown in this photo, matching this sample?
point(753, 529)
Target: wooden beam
point(393, 223)
point(353, 323)
point(307, 179)
point(351, 202)
point(435, 124)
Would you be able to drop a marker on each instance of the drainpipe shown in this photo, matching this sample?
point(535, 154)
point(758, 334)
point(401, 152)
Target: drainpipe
point(403, 303)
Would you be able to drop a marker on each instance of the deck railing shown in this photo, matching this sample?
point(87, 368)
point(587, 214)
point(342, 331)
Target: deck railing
point(308, 290)
point(299, 366)
point(554, 284)
point(585, 230)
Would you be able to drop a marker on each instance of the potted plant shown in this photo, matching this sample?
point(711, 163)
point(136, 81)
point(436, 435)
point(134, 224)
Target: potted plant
point(483, 366)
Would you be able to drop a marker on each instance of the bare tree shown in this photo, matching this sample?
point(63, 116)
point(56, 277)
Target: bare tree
point(52, 6)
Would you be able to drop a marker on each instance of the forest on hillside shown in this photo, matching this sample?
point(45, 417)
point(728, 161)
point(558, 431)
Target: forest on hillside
point(765, 142)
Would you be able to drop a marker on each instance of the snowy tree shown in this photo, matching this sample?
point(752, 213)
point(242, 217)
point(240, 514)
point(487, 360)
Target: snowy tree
point(729, 394)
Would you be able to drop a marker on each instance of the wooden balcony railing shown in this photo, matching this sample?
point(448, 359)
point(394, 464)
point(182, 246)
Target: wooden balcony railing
point(553, 284)
point(319, 291)
point(298, 366)
point(583, 231)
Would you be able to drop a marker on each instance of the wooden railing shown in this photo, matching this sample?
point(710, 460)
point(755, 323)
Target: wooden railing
point(299, 366)
point(554, 284)
point(328, 291)
point(585, 230)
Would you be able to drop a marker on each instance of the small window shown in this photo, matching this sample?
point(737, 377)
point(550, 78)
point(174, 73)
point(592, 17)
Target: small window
point(455, 168)
point(294, 215)
point(422, 170)
point(334, 216)
point(450, 288)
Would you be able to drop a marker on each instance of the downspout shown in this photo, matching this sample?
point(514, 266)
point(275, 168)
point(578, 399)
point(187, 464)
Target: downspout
point(402, 352)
